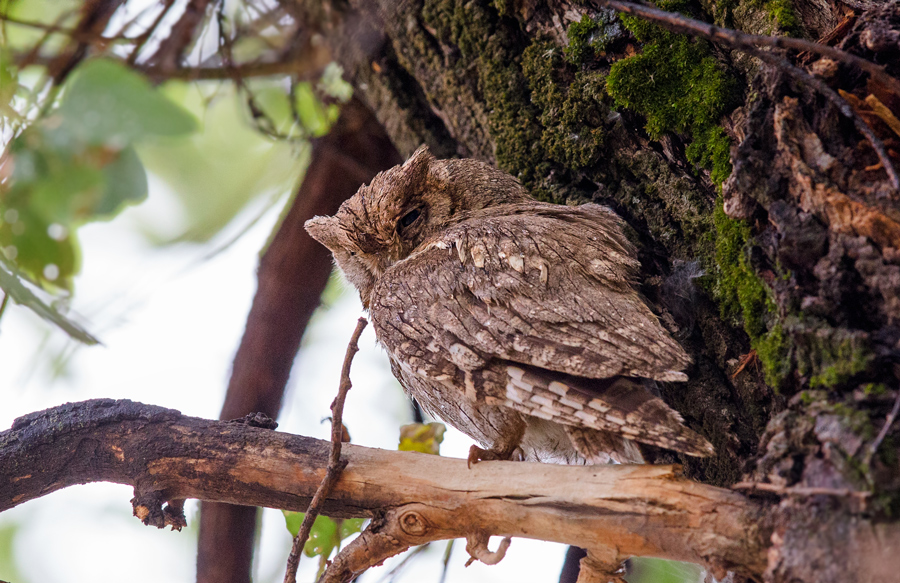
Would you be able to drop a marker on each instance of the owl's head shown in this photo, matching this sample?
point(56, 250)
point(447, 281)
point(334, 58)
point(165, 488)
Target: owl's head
point(403, 207)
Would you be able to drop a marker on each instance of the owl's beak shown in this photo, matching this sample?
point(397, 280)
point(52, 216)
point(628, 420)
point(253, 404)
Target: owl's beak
point(324, 230)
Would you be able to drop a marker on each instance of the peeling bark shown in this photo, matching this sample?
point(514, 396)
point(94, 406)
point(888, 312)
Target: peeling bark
point(614, 511)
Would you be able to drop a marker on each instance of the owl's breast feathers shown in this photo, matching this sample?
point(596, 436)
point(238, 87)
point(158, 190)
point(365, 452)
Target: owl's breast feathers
point(511, 306)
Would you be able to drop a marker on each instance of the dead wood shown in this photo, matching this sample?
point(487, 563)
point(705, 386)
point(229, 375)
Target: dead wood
point(613, 511)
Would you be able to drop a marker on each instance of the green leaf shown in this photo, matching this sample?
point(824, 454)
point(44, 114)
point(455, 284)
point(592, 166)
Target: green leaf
point(126, 183)
point(46, 252)
point(218, 170)
point(650, 570)
point(274, 102)
point(63, 13)
point(314, 116)
point(326, 534)
point(322, 537)
point(351, 526)
point(332, 83)
point(293, 520)
point(78, 164)
point(106, 103)
point(17, 290)
point(422, 437)
point(8, 563)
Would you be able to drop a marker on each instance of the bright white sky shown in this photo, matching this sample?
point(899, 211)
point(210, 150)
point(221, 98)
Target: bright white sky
point(170, 323)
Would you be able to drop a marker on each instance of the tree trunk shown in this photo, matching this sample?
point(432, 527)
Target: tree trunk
point(781, 277)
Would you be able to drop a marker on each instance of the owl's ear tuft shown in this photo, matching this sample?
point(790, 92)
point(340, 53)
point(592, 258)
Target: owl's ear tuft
point(324, 230)
point(414, 171)
point(421, 156)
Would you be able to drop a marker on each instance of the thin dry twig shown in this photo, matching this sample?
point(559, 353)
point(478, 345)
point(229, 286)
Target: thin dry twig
point(888, 421)
point(745, 360)
point(335, 465)
point(751, 44)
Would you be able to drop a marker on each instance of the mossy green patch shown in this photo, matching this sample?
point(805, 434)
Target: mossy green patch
point(572, 113)
point(742, 294)
point(782, 14)
point(492, 52)
point(581, 41)
point(830, 356)
point(874, 389)
point(677, 84)
point(590, 36)
point(711, 149)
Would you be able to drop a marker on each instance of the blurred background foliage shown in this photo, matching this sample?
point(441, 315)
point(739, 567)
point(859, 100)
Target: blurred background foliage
point(80, 135)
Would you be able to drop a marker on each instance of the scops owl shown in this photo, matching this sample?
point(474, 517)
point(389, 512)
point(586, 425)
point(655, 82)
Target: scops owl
point(515, 321)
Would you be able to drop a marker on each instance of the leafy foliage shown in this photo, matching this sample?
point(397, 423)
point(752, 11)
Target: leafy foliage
point(78, 164)
point(422, 437)
point(325, 536)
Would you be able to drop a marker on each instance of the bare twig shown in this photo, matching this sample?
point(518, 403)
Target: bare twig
point(752, 44)
point(335, 465)
point(888, 421)
point(745, 360)
point(142, 38)
point(50, 28)
point(392, 574)
point(448, 552)
point(3, 304)
point(181, 36)
point(302, 68)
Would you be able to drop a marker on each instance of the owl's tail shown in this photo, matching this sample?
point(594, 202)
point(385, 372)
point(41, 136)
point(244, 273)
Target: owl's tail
point(620, 405)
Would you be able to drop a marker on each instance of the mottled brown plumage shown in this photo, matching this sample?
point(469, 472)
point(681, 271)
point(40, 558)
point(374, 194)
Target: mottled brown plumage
point(513, 320)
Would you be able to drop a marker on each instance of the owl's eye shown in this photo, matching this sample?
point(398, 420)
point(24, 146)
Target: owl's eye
point(408, 219)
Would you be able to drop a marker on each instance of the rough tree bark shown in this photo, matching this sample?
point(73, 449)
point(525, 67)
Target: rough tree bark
point(415, 498)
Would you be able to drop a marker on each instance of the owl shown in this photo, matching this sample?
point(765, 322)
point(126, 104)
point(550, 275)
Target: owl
point(513, 320)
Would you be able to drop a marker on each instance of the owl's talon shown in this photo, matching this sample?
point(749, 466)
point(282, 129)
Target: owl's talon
point(476, 454)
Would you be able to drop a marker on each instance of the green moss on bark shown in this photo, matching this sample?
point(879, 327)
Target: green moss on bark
point(677, 84)
point(493, 53)
point(590, 36)
point(742, 294)
point(783, 15)
point(830, 357)
point(572, 114)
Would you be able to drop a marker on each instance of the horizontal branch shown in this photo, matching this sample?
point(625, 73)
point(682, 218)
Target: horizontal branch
point(301, 68)
point(167, 457)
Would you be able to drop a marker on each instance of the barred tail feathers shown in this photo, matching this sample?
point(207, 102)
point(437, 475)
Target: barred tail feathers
point(619, 405)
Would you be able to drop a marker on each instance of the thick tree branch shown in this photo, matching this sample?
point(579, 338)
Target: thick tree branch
point(636, 510)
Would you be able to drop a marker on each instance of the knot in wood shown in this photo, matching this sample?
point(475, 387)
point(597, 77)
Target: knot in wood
point(413, 523)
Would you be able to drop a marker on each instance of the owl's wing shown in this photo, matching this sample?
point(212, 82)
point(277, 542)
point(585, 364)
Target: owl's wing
point(543, 285)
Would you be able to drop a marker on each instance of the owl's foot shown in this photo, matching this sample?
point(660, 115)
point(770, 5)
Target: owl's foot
point(477, 454)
